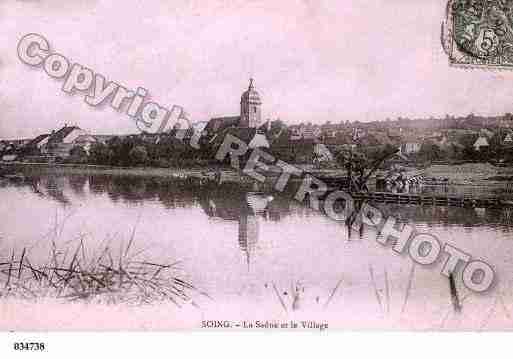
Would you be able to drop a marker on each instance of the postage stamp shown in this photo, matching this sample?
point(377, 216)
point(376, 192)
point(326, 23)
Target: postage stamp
point(479, 33)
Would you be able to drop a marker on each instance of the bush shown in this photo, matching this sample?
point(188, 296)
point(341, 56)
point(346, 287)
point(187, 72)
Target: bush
point(138, 156)
point(77, 155)
point(162, 162)
point(100, 154)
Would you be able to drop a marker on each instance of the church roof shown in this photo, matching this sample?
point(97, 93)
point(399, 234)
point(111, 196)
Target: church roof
point(221, 123)
point(251, 95)
point(245, 134)
point(248, 135)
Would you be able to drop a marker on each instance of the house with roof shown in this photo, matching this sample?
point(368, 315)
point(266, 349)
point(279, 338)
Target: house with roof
point(483, 139)
point(61, 142)
point(409, 144)
point(295, 132)
point(85, 141)
point(307, 131)
point(37, 145)
point(251, 136)
point(290, 149)
point(341, 140)
point(104, 138)
point(481, 143)
point(507, 140)
point(410, 147)
point(40, 141)
point(322, 153)
point(329, 129)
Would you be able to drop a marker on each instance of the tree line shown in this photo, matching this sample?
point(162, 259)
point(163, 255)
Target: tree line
point(133, 151)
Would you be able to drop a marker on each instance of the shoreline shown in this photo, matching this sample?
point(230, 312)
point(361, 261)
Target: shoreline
point(501, 177)
point(112, 170)
point(183, 172)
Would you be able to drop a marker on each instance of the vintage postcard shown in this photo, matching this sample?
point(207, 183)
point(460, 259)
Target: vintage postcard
point(236, 165)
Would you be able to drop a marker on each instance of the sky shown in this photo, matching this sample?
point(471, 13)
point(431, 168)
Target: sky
point(312, 61)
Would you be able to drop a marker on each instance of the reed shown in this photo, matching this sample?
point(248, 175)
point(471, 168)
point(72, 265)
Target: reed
point(102, 278)
point(454, 294)
point(376, 291)
point(333, 293)
point(408, 288)
point(280, 298)
point(387, 291)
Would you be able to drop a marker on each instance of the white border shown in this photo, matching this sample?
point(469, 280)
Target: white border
point(259, 344)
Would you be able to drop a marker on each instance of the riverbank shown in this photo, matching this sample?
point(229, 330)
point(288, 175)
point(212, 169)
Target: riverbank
point(25, 167)
point(475, 174)
point(469, 173)
point(223, 173)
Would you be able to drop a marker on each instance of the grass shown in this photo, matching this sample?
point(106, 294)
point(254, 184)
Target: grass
point(376, 291)
point(333, 293)
point(70, 275)
point(280, 298)
point(408, 288)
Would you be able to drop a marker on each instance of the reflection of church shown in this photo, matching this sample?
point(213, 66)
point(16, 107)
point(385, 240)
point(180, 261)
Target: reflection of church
point(249, 227)
point(247, 126)
point(245, 208)
point(249, 224)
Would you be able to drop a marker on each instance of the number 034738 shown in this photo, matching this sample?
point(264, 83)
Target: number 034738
point(29, 346)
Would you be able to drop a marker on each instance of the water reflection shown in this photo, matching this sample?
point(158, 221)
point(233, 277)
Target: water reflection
point(237, 243)
point(226, 201)
point(51, 187)
point(450, 216)
point(247, 208)
point(229, 202)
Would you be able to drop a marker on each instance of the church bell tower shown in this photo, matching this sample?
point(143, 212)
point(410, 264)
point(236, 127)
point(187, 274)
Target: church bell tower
point(250, 111)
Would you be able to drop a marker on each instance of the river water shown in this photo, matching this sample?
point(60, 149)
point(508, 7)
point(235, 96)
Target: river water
point(267, 256)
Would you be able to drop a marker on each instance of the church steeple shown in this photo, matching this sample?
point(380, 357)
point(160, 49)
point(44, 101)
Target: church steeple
point(250, 112)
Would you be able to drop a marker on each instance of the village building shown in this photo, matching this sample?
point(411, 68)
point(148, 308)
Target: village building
point(322, 153)
point(104, 138)
point(330, 129)
point(37, 146)
point(39, 142)
point(307, 132)
point(481, 143)
point(61, 142)
point(507, 140)
point(248, 126)
point(410, 147)
point(85, 141)
point(409, 144)
point(295, 132)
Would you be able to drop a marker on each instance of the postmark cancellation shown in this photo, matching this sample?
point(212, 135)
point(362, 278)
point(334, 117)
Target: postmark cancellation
point(479, 33)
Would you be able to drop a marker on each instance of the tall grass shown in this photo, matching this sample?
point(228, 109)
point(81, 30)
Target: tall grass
point(70, 274)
